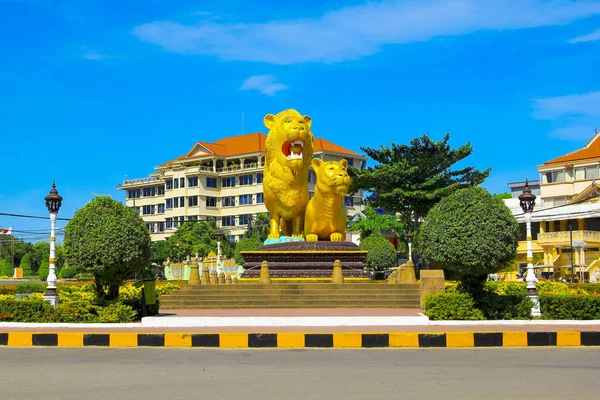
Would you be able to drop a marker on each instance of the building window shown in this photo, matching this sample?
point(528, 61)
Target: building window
point(169, 184)
point(169, 203)
point(161, 208)
point(192, 201)
point(160, 226)
point(245, 199)
point(312, 178)
point(182, 182)
point(175, 202)
point(192, 218)
point(193, 181)
point(211, 182)
point(244, 219)
point(245, 180)
point(228, 221)
point(182, 201)
point(169, 223)
point(228, 182)
point(181, 220)
point(211, 201)
point(150, 191)
point(587, 173)
point(175, 222)
point(260, 198)
point(348, 201)
point(160, 190)
point(175, 183)
point(150, 227)
point(133, 193)
point(137, 210)
point(554, 176)
point(259, 177)
point(228, 201)
point(148, 210)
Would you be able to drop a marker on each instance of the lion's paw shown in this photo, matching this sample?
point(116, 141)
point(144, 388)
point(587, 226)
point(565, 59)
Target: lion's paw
point(312, 237)
point(298, 235)
point(335, 237)
point(273, 236)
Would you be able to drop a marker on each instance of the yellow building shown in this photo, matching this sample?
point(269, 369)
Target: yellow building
point(220, 181)
point(566, 219)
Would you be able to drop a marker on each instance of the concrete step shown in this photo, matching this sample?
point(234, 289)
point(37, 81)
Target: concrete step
point(282, 304)
point(253, 307)
point(303, 286)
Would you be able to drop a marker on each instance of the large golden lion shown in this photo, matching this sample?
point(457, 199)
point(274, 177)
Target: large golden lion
point(289, 150)
point(325, 213)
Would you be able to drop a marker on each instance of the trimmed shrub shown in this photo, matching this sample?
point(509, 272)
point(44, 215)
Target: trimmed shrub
point(382, 254)
point(452, 306)
point(26, 265)
point(77, 311)
point(246, 244)
point(570, 306)
point(67, 272)
point(5, 268)
point(27, 311)
point(495, 306)
point(591, 288)
point(26, 288)
point(116, 313)
point(8, 290)
point(43, 271)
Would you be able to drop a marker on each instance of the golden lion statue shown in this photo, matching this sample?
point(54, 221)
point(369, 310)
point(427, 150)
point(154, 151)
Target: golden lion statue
point(325, 217)
point(289, 150)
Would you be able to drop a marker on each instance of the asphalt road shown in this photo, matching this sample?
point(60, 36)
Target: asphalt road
point(171, 374)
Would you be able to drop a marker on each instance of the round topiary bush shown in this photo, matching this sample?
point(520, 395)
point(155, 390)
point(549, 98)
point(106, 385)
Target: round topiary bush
point(44, 270)
point(26, 265)
point(471, 233)
point(382, 254)
point(67, 272)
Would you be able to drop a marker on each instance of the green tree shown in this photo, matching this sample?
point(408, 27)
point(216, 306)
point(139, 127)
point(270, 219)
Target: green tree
point(13, 247)
point(43, 271)
point(376, 223)
point(411, 179)
point(41, 252)
point(246, 244)
point(503, 196)
point(382, 254)
point(6, 268)
point(259, 224)
point(26, 265)
point(110, 241)
point(196, 237)
point(471, 233)
point(159, 252)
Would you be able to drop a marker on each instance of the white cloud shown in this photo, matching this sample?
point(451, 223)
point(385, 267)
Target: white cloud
point(357, 31)
point(575, 115)
point(585, 104)
point(590, 37)
point(266, 84)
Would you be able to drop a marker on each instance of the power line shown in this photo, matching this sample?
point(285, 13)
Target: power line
point(31, 216)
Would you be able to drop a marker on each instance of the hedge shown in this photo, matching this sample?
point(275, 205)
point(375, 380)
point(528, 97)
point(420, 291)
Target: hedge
point(452, 306)
point(570, 306)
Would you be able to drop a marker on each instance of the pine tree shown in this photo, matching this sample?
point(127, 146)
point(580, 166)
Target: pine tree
point(26, 265)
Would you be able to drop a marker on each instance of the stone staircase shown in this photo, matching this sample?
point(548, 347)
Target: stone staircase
point(292, 295)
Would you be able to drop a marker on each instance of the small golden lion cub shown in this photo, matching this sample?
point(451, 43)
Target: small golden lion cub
point(325, 217)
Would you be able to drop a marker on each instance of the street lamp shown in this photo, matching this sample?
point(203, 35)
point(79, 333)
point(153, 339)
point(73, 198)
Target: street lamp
point(219, 235)
point(527, 202)
point(53, 203)
point(409, 238)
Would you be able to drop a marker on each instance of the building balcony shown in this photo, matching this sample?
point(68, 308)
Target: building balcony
point(563, 239)
point(141, 181)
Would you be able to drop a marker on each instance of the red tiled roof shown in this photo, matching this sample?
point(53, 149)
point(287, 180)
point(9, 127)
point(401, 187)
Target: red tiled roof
point(591, 150)
point(252, 143)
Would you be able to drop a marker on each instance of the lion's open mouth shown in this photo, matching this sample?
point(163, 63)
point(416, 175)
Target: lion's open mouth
point(292, 150)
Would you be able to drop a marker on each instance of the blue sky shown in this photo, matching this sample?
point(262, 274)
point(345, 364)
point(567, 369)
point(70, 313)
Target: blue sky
point(93, 91)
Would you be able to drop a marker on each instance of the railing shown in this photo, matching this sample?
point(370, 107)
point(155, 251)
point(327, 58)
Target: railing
point(238, 167)
point(141, 180)
point(564, 237)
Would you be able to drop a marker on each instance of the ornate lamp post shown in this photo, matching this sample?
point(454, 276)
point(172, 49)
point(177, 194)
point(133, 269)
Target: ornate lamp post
point(409, 238)
point(219, 235)
point(527, 201)
point(53, 203)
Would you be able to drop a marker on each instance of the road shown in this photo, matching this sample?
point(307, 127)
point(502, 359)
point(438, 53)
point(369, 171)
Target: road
point(172, 374)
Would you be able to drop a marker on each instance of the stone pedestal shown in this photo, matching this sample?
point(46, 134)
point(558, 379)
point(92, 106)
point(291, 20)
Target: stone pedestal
point(406, 273)
point(432, 281)
point(338, 276)
point(205, 275)
point(194, 274)
point(265, 277)
point(214, 280)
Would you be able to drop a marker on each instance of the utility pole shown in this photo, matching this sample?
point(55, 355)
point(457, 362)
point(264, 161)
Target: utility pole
point(572, 266)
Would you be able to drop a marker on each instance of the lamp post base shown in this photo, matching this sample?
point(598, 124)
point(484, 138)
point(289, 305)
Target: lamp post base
point(535, 309)
point(51, 298)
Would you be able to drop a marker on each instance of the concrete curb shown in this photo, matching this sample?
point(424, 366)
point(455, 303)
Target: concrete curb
point(303, 340)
